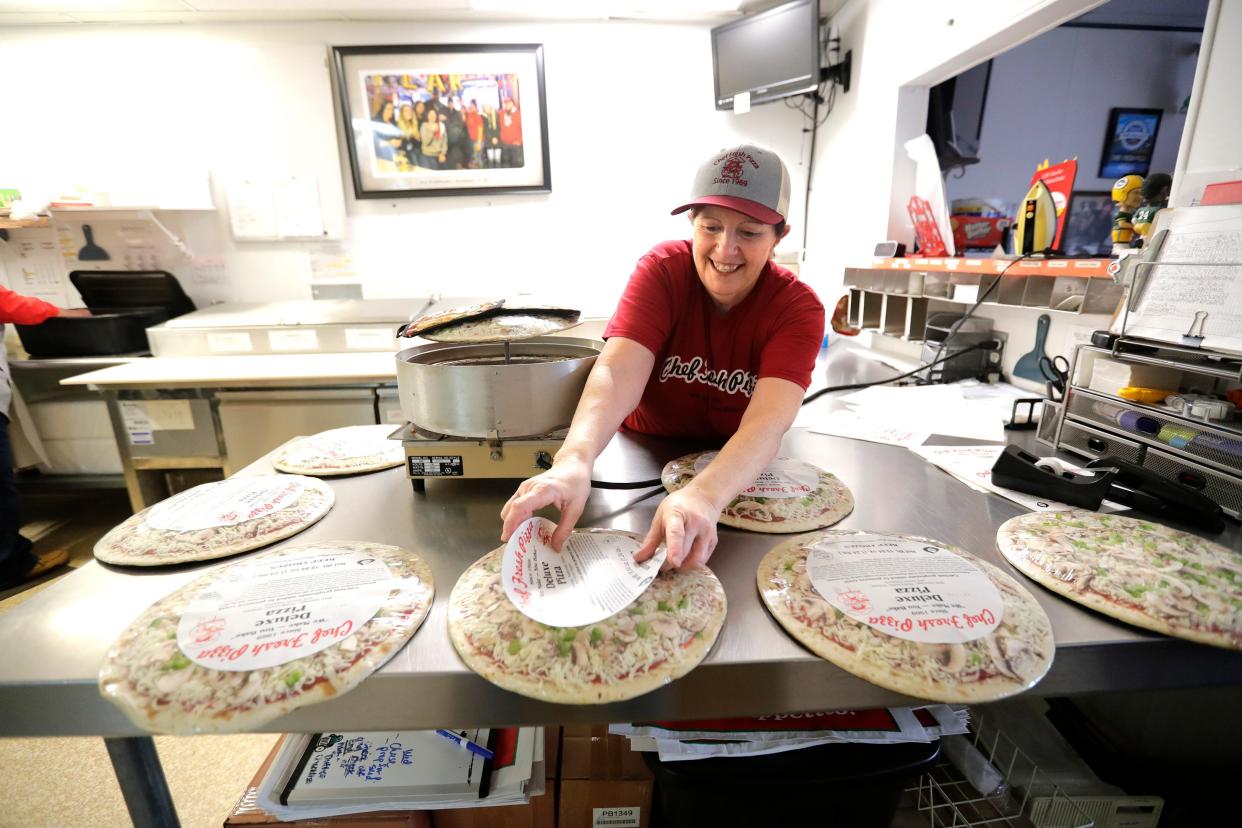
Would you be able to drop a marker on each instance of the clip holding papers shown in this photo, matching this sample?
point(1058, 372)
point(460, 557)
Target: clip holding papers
point(1190, 337)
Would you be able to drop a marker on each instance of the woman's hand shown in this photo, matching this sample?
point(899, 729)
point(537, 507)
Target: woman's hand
point(686, 523)
point(566, 486)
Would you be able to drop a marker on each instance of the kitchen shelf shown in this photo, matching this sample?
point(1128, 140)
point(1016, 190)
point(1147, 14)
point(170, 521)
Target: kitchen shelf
point(892, 295)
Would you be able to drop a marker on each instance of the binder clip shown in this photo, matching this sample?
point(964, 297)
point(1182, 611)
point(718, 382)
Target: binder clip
point(1191, 338)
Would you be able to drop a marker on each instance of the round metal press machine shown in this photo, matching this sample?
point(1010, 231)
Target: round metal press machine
point(491, 395)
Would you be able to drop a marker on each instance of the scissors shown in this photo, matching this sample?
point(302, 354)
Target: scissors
point(1056, 371)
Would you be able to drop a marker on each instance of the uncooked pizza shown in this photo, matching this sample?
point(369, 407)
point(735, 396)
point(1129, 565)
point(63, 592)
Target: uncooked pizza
point(1140, 572)
point(504, 325)
point(348, 450)
point(789, 496)
point(660, 637)
point(255, 639)
point(909, 614)
point(447, 317)
point(217, 519)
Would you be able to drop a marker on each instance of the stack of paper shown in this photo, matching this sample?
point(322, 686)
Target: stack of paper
point(908, 415)
point(333, 774)
point(755, 736)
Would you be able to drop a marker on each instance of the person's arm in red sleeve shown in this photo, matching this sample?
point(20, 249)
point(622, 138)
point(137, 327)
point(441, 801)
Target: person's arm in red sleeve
point(24, 310)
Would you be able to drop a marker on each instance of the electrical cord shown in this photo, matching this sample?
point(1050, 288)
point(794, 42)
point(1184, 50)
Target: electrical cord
point(956, 326)
point(991, 343)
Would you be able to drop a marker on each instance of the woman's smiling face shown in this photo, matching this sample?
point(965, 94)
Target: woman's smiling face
point(730, 250)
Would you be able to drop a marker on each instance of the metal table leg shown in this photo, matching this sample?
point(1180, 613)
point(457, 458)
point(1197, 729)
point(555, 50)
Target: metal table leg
point(141, 777)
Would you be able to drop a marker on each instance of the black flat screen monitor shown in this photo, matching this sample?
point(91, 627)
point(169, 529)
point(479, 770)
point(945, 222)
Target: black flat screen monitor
point(771, 55)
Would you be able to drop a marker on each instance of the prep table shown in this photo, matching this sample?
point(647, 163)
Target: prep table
point(51, 646)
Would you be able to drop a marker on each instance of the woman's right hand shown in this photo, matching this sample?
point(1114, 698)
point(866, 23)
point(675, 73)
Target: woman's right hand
point(566, 485)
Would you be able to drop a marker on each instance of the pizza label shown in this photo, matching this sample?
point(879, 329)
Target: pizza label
point(911, 590)
point(783, 478)
point(225, 503)
point(594, 577)
point(264, 613)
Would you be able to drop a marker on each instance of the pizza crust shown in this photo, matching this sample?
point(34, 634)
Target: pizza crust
point(833, 502)
point(1143, 573)
point(134, 542)
point(1013, 658)
point(307, 456)
point(189, 698)
point(660, 625)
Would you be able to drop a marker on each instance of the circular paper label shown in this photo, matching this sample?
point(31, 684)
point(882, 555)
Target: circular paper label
point(225, 503)
point(347, 443)
point(269, 612)
point(912, 590)
point(784, 477)
point(595, 576)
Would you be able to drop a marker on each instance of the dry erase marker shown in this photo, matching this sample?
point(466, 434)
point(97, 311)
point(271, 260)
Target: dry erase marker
point(465, 744)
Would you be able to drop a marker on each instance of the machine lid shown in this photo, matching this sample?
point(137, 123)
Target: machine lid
point(496, 321)
point(115, 290)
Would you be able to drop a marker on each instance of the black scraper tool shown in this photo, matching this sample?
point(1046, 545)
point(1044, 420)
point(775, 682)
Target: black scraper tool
point(91, 252)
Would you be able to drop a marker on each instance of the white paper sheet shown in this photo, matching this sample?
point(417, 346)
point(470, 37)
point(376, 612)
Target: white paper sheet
point(842, 423)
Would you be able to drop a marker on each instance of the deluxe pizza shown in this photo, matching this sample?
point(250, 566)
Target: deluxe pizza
point(218, 519)
point(660, 637)
point(1146, 574)
point(348, 450)
point(169, 675)
point(966, 660)
point(789, 496)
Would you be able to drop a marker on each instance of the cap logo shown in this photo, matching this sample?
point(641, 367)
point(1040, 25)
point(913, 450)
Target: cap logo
point(734, 168)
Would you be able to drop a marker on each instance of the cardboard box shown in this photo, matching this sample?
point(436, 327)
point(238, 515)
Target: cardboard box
point(539, 813)
point(595, 803)
point(590, 752)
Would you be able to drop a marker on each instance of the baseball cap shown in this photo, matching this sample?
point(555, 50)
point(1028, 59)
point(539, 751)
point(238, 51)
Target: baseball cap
point(746, 178)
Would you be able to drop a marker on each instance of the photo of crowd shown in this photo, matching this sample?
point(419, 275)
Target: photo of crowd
point(444, 122)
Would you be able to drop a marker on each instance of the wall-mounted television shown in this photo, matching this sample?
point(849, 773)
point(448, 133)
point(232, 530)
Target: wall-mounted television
point(773, 54)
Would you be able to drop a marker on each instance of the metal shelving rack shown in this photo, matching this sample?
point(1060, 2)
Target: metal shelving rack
point(1026, 800)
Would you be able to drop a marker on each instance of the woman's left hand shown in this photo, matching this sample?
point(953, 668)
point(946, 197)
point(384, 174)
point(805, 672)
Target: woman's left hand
point(686, 523)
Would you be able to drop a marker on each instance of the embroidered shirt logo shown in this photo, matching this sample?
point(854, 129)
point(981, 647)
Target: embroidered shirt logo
point(696, 370)
point(734, 168)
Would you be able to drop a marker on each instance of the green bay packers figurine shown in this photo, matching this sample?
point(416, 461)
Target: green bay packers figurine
point(1126, 196)
point(1155, 192)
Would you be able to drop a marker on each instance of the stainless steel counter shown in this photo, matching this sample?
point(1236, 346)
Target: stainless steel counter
point(51, 646)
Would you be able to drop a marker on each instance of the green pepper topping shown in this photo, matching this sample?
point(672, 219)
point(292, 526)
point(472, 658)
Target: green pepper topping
point(663, 606)
point(177, 662)
point(568, 634)
point(293, 678)
point(566, 647)
point(641, 629)
point(637, 610)
point(789, 566)
point(684, 602)
point(515, 647)
point(597, 635)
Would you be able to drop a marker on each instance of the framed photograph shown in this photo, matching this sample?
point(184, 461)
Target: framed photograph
point(1089, 225)
point(444, 119)
point(1129, 142)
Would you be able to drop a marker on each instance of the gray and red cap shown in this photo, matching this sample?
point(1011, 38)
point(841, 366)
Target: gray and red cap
point(746, 178)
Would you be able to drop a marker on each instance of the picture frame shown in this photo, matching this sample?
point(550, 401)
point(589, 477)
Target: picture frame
point(1129, 141)
point(490, 129)
point(1089, 225)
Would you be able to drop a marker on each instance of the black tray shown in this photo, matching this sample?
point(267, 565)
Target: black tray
point(104, 334)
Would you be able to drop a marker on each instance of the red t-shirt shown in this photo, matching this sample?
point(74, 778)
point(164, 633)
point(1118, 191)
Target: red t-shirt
point(24, 310)
point(707, 363)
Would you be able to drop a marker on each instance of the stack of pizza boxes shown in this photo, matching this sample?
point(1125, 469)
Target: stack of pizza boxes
point(603, 782)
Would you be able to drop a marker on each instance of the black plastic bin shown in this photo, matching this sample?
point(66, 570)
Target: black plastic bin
point(124, 303)
point(829, 786)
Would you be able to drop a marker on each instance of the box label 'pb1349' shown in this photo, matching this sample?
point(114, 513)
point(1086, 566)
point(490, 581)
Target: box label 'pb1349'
point(616, 817)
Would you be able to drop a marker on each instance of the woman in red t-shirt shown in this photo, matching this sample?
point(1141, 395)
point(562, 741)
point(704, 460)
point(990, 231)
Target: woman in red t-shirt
point(711, 339)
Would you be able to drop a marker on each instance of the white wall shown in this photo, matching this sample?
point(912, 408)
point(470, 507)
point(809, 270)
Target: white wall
point(1050, 98)
point(630, 116)
point(1211, 150)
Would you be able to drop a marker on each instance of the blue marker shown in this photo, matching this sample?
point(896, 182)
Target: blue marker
point(465, 744)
